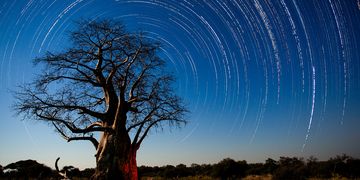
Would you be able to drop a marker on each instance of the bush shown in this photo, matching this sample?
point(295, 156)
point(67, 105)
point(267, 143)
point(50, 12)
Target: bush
point(290, 168)
point(230, 169)
point(28, 168)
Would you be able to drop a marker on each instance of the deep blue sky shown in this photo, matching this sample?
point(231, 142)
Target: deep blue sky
point(261, 78)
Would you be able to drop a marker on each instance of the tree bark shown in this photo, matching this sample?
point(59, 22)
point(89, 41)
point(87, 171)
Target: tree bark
point(116, 158)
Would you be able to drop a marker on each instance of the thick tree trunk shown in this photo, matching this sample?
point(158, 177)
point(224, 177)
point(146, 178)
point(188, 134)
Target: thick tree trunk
point(116, 158)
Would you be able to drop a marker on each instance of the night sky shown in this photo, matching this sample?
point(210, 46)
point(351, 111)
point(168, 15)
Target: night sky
point(262, 79)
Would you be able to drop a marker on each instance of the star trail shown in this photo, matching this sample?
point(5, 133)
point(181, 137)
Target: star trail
point(261, 78)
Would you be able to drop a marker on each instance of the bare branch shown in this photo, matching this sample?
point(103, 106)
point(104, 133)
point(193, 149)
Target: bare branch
point(88, 138)
point(141, 124)
point(153, 124)
point(136, 83)
point(92, 128)
point(63, 135)
point(85, 138)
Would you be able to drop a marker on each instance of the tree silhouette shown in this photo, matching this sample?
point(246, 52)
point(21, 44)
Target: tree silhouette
point(270, 165)
point(111, 81)
point(230, 169)
point(290, 168)
point(28, 169)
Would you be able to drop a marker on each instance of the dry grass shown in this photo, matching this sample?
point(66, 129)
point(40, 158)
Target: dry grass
point(333, 178)
point(250, 177)
point(258, 177)
point(182, 178)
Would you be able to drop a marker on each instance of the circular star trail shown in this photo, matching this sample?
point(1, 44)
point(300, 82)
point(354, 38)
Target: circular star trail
point(281, 77)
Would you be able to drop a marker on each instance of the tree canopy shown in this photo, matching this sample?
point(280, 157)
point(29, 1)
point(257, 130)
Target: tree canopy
point(106, 74)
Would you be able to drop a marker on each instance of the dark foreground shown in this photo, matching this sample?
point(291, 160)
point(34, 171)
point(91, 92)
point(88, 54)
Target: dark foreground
point(339, 167)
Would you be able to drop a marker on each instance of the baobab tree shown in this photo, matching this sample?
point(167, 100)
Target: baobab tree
point(110, 82)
